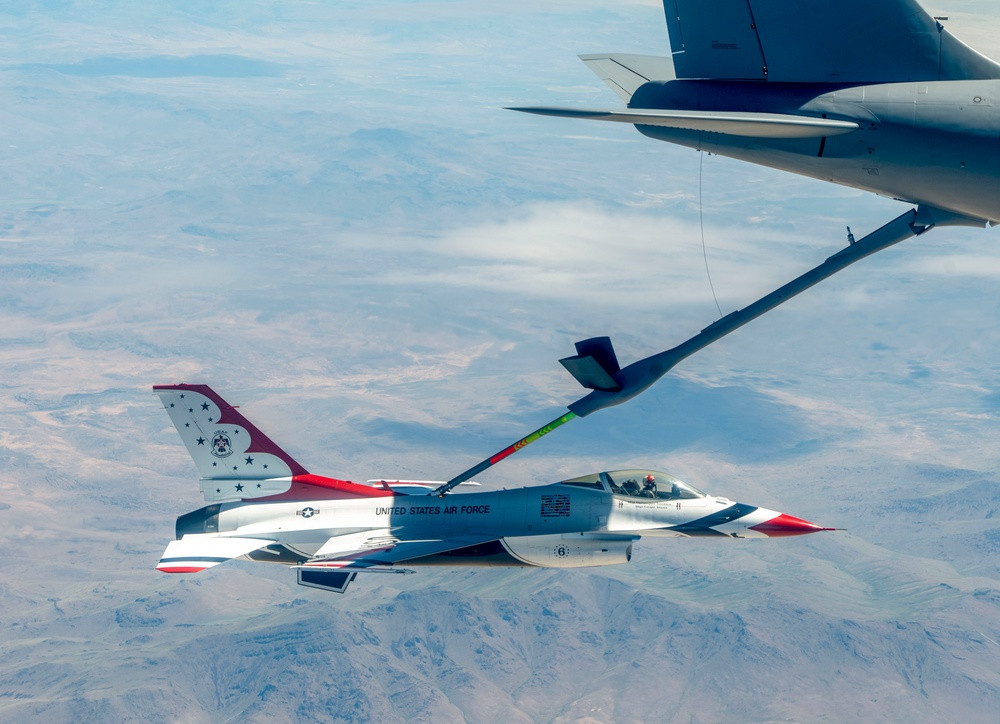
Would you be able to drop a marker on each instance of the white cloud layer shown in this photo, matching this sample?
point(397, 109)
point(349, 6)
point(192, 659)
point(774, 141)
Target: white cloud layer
point(582, 254)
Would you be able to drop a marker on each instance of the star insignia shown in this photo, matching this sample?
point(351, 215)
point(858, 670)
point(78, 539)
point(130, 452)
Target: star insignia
point(214, 464)
point(201, 441)
point(234, 467)
point(239, 487)
point(218, 490)
point(182, 397)
point(187, 424)
point(249, 461)
point(190, 409)
point(258, 485)
point(265, 466)
point(171, 404)
point(204, 405)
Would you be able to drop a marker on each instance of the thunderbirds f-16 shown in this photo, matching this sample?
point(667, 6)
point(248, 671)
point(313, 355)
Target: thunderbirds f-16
point(265, 506)
point(873, 95)
point(876, 95)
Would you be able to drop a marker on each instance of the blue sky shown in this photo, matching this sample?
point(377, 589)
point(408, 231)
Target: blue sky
point(323, 211)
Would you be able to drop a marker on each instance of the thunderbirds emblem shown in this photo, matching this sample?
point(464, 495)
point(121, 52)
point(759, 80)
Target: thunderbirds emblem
point(222, 447)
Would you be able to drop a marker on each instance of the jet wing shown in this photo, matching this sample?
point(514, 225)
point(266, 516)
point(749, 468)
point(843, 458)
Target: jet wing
point(196, 552)
point(756, 125)
point(378, 551)
point(375, 550)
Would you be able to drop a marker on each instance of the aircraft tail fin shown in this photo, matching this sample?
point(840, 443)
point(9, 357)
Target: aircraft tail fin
point(624, 73)
point(817, 41)
point(239, 462)
point(223, 443)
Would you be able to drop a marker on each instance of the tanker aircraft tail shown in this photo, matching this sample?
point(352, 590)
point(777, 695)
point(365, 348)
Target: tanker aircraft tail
point(808, 41)
point(877, 96)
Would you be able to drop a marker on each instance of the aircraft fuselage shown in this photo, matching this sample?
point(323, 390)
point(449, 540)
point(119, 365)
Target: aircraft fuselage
point(536, 525)
point(934, 143)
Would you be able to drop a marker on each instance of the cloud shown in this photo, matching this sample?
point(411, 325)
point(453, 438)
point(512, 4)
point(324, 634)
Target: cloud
point(164, 66)
point(950, 265)
point(568, 251)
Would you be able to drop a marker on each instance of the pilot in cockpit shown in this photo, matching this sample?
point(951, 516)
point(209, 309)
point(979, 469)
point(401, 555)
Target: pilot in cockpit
point(649, 487)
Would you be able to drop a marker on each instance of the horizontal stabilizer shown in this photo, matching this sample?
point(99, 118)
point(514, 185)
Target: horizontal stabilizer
point(624, 73)
point(196, 552)
point(755, 125)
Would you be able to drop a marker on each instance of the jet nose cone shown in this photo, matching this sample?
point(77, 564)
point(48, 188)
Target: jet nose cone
point(785, 525)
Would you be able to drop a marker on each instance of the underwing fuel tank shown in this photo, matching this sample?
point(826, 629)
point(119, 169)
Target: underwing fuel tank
point(573, 550)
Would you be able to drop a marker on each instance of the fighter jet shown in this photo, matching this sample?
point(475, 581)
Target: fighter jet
point(264, 506)
point(874, 95)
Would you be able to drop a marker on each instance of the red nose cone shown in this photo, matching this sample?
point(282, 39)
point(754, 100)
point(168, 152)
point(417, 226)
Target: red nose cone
point(785, 525)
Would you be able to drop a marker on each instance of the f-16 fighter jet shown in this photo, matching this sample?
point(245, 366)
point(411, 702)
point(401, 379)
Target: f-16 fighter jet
point(873, 95)
point(265, 506)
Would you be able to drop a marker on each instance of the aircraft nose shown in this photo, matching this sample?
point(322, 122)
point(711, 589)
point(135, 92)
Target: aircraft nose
point(785, 525)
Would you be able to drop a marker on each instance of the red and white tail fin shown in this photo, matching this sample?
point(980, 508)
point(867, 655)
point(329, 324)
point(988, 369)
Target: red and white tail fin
point(236, 460)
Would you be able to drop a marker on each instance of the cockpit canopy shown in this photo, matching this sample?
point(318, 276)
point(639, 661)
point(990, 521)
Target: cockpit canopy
point(637, 483)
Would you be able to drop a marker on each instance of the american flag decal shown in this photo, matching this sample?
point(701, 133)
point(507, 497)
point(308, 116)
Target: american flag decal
point(555, 506)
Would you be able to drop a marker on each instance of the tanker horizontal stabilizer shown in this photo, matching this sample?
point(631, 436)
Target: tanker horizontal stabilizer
point(731, 123)
point(624, 72)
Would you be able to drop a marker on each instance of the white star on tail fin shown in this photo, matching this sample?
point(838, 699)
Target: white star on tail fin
point(235, 459)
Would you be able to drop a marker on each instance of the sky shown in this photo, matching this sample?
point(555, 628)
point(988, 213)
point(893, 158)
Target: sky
point(323, 211)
